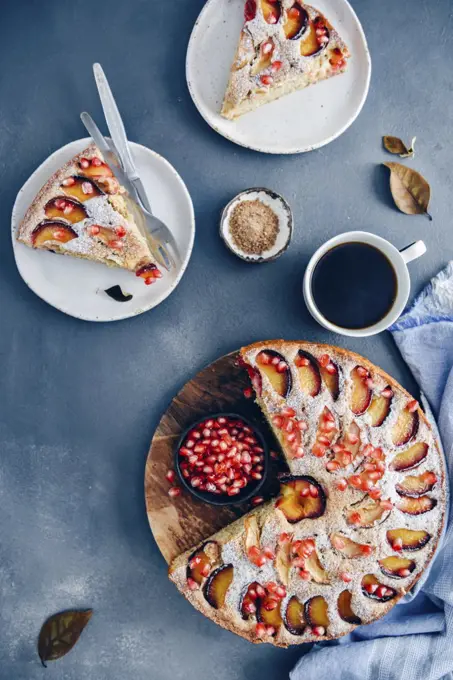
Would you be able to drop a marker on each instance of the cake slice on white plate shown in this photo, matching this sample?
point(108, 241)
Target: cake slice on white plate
point(284, 46)
point(82, 211)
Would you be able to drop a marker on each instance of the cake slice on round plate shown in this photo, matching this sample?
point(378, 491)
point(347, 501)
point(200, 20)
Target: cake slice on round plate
point(83, 211)
point(284, 47)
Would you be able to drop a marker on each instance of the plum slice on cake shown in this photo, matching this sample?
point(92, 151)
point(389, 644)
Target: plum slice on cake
point(82, 211)
point(284, 46)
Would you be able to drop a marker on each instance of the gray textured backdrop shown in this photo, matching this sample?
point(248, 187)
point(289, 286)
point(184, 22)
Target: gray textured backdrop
point(79, 402)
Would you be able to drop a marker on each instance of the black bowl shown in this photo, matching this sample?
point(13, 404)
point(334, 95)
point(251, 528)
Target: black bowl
point(220, 500)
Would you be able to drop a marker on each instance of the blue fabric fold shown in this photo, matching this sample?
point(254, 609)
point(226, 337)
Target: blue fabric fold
point(415, 640)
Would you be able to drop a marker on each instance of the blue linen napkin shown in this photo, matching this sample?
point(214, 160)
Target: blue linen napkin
point(424, 336)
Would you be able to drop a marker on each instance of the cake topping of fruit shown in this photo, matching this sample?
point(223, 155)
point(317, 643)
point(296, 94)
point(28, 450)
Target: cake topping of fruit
point(203, 561)
point(397, 567)
point(375, 590)
point(309, 374)
point(264, 604)
point(291, 431)
point(94, 168)
point(416, 486)
point(275, 367)
point(316, 614)
point(296, 22)
point(407, 539)
point(327, 432)
point(350, 548)
point(301, 498)
point(416, 506)
point(406, 427)
point(271, 10)
point(110, 236)
point(294, 619)
point(222, 455)
point(216, 587)
point(66, 209)
point(52, 230)
point(250, 10)
point(330, 375)
point(369, 514)
point(345, 608)
point(80, 188)
point(411, 458)
point(361, 390)
point(337, 59)
point(150, 273)
point(380, 407)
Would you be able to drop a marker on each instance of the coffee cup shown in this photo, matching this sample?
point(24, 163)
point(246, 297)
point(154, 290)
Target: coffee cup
point(358, 247)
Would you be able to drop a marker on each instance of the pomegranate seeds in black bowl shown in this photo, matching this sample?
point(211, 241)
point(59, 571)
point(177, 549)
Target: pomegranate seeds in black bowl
point(222, 459)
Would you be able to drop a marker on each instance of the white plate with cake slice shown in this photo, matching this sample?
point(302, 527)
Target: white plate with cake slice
point(76, 286)
point(303, 120)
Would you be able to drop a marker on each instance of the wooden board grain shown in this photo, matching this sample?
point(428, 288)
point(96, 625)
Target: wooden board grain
point(180, 523)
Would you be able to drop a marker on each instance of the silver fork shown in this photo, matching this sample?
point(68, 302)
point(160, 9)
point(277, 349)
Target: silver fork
point(158, 230)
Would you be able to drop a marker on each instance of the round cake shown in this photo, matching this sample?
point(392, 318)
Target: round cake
point(360, 510)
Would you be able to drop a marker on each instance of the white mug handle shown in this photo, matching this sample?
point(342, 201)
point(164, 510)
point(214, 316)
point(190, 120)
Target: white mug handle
point(413, 251)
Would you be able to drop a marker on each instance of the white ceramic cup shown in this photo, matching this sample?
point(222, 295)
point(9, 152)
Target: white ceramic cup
point(399, 260)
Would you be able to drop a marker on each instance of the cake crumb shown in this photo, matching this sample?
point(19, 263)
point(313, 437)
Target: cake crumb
point(254, 227)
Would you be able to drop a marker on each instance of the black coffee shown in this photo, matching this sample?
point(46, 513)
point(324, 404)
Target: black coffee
point(354, 285)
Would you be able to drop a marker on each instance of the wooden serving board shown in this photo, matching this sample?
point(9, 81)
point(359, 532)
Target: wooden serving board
point(180, 523)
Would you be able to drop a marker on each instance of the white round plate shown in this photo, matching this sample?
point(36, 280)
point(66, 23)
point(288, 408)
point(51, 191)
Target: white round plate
point(77, 287)
point(298, 122)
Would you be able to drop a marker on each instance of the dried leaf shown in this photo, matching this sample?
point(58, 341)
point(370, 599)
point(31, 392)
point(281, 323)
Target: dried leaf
point(60, 633)
point(411, 192)
point(396, 146)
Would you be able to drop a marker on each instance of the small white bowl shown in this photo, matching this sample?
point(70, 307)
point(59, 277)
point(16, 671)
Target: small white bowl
point(285, 223)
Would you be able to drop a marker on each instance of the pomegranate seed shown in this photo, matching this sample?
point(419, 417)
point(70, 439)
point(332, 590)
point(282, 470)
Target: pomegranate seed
point(195, 482)
point(371, 588)
point(256, 475)
point(298, 562)
point(206, 433)
point(324, 360)
point(346, 577)
point(342, 484)
point(328, 416)
point(193, 585)
point(248, 392)
point(366, 549)
point(314, 493)
point(68, 182)
point(305, 492)
point(375, 493)
point(269, 553)
point(352, 438)
point(387, 393)
point(332, 466)
point(96, 162)
point(260, 591)
point(397, 544)
point(87, 188)
point(278, 421)
point(276, 66)
point(264, 357)
point(328, 426)
point(205, 570)
point(304, 575)
point(404, 573)
point(386, 504)
point(381, 591)
point(293, 13)
point(284, 538)
point(355, 518)
point(60, 203)
point(318, 450)
point(331, 368)
point(369, 383)
point(301, 361)
point(282, 366)
point(260, 630)
point(362, 372)
point(299, 452)
point(174, 491)
point(121, 231)
point(319, 630)
point(270, 603)
point(355, 481)
point(280, 591)
point(270, 630)
point(412, 406)
point(257, 500)
point(302, 425)
point(275, 361)
point(170, 476)
point(95, 230)
point(84, 163)
point(249, 607)
point(116, 244)
point(68, 209)
point(288, 412)
point(58, 234)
